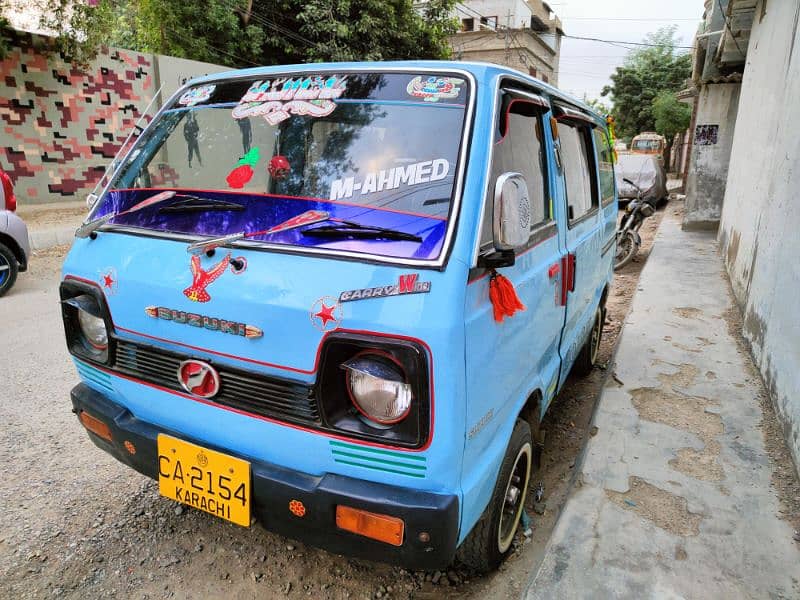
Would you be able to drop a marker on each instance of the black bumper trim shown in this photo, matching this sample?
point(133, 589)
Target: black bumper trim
point(273, 487)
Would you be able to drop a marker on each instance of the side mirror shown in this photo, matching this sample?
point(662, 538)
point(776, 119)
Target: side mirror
point(511, 223)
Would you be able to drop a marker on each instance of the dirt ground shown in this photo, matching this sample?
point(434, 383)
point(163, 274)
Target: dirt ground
point(77, 524)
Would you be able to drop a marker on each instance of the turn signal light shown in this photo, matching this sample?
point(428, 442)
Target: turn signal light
point(95, 425)
point(372, 525)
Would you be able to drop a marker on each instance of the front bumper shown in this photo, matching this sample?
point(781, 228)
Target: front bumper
point(273, 487)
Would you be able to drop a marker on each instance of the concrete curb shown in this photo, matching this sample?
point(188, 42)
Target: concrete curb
point(42, 239)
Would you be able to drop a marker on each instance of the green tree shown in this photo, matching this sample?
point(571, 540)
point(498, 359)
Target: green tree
point(671, 115)
point(647, 72)
point(598, 105)
point(241, 33)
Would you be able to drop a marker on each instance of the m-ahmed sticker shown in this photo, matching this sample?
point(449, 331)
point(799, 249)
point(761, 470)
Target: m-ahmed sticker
point(426, 171)
point(196, 95)
point(433, 89)
point(277, 99)
point(406, 284)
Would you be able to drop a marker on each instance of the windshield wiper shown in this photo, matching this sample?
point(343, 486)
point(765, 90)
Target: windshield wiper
point(357, 230)
point(89, 228)
point(197, 204)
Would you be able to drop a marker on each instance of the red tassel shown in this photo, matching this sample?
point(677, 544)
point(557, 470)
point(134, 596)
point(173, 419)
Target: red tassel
point(505, 301)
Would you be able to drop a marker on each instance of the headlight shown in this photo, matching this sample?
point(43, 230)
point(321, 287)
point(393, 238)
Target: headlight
point(87, 332)
point(94, 329)
point(378, 388)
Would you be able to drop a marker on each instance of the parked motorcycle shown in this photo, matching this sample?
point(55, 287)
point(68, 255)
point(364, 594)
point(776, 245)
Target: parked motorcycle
point(628, 239)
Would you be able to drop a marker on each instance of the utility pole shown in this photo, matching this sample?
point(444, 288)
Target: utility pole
point(508, 36)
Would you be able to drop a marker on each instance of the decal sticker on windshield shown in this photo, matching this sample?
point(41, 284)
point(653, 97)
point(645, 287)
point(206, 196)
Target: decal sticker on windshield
point(390, 179)
point(251, 157)
point(326, 314)
point(201, 278)
point(239, 176)
point(211, 323)
point(433, 89)
point(406, 284)
point(196, 95)
point(276, 100)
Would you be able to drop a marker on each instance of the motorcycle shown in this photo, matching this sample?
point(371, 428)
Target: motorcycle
point(628, 239)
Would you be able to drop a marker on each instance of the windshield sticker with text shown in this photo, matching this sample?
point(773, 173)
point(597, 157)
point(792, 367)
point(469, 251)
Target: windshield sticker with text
point(390, 179)
point(196, 95)
point(433, 89)
point(276, 100)
point(406, 284)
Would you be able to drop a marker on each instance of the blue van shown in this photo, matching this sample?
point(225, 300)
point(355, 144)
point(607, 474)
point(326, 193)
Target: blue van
point(339, 298)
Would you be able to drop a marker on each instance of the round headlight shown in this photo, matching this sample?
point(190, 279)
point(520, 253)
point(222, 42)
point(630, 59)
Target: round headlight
point(94, 330)
point(378, 388)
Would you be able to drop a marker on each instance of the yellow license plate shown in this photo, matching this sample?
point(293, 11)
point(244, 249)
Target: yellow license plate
point(204, 479)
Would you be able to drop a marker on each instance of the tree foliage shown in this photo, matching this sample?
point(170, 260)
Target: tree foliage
point(671, 115)
point(646, 73)
point(241, 33)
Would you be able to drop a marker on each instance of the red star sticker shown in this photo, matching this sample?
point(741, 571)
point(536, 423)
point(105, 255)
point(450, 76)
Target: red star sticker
point(108, 281)
point(326, 314)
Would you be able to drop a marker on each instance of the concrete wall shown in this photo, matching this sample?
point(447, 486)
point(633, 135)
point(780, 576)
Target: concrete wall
point(61, 125)
point(715, 124)
point(761, 214)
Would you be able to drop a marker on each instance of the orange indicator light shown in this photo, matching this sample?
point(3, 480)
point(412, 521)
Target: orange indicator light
point(130, 447)
point(297, 508)
point(372, 525)
point(95, 425)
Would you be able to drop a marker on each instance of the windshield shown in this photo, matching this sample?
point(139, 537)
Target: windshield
point(650, 145)
point(379, 150)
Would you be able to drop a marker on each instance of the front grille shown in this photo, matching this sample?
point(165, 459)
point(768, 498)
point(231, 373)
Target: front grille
point(250, 392)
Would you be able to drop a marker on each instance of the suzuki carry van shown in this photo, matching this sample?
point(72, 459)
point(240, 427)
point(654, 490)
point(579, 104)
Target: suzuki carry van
point(338, 299)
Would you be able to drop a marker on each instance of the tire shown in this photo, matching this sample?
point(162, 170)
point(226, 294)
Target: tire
point(489, 542)
point(8, 269)
point(587, 357)
point(627, 247)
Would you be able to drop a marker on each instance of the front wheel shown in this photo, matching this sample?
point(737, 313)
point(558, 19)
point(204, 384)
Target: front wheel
point(489, 542)
point(8, 269)
point(627, 247)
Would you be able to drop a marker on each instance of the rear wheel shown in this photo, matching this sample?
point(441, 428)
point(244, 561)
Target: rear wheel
point(627, 247)
point(8, 269)
point(489, 542)
point(587, 358)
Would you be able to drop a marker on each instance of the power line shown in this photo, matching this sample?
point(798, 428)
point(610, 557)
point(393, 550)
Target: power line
point(591, 39)
point(625, 19)
point(219, 50)
point(728, 27)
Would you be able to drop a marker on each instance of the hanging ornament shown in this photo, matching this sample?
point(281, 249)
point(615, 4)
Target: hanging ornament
point(505, 301)
point(279, 167)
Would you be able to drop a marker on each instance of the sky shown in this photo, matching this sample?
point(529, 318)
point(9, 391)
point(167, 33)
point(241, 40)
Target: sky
point(585, 66)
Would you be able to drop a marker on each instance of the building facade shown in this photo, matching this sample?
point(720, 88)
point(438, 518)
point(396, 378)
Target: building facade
point(523, 35)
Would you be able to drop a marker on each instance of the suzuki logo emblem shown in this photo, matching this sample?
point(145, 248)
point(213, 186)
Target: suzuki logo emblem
point(198, 378)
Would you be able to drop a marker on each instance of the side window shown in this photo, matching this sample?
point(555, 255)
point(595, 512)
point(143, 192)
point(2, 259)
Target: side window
point(605, 166)
point(577, 155)
point(519, 148)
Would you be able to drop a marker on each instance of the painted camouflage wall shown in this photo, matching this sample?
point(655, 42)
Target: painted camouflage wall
point(61, 125)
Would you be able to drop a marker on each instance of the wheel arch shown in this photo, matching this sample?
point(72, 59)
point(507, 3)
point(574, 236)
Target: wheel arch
point(16, 250)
